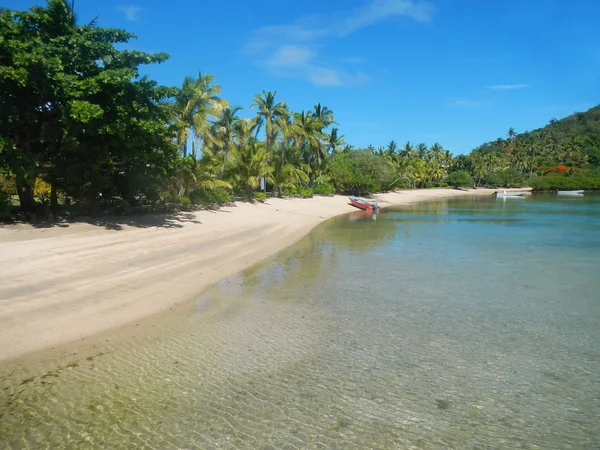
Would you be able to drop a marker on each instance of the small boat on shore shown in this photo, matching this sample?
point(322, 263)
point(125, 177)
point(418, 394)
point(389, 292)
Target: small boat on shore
point(510, 194)
point(580, 192)
point(363, 204)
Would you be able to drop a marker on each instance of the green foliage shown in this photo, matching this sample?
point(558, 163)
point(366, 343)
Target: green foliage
point(5, 204)
point(509, 177)
point(304, 192)
point(184, 202)
point(260, 196)
point(563, 182)
point(460, 178)
point(214, 196)
point(324, 189)
point(74, 109)
point(360, 172)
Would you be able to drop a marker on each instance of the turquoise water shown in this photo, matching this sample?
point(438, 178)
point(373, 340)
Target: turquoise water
point(469, 323)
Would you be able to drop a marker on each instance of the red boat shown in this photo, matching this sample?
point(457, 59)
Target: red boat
point(363, 204)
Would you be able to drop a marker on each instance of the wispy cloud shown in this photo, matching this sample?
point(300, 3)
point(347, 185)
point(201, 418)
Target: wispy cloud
point(293, 49)
point(507, 87)
point(132, 12)
point(462, 103)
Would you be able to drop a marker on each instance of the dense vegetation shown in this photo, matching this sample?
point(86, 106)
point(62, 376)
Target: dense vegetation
point(80, 127)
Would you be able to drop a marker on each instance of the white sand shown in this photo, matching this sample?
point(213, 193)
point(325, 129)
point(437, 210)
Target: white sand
point(62, 283)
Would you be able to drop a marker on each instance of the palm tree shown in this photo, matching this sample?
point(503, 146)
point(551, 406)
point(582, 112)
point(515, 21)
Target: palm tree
point(195, 103)
point(223, 130)
point(421, 150)
point(308, 128)
point(268, 111)
point(334, 141)
point(288, 169)
point(407, 150)
point(324, 114)
point(251, 165)
point(392, 148)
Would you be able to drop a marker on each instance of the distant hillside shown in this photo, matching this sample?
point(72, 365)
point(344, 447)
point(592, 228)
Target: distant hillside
point(557, 141)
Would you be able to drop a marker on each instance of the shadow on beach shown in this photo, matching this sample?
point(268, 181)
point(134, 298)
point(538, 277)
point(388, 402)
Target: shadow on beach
point(118, 222)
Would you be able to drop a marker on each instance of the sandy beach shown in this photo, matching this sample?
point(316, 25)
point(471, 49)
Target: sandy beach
point(63, 282)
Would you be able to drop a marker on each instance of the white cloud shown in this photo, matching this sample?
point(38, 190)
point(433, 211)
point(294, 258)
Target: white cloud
point(507, 87)
point(292, 49)
point(462, 103)
point(132, 12)
point(298, 61)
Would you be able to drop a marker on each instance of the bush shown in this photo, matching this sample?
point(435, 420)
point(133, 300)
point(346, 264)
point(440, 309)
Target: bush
point(304, 192)
point(184, 201)
point(509, 177)
point(460, 178)
point(561, 182)
point(5, 204)
point(214, 196)
point(260, 196)
point(361, 172)
point(324, 189)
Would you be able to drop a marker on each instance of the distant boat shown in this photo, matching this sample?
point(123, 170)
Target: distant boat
point(510, 194)
point(570, 192)
point(363, 204)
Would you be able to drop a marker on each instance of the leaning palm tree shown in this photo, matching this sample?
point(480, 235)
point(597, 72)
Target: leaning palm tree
point(269, 111)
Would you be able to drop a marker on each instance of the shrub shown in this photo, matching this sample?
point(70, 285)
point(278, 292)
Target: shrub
point(290, 192)
point(184, 201)
point(561, 182)
point(260, 196)
point(509, 177)
point(5, 204)
point(212, 196)
point(324, 189)
point(460, 178)
point(361, 172)
point(304, 192)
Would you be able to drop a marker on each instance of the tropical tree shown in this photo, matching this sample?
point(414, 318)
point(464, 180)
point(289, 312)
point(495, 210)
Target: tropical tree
point(196, 102)
point(334, 141)
point(251, 164)
point(269, 110)
point(223, 133)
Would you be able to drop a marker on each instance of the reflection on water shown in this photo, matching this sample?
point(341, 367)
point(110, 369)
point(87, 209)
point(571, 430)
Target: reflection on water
point(460, 324)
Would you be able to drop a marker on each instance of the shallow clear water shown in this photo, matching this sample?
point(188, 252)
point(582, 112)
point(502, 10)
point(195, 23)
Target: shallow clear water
point(456, 324)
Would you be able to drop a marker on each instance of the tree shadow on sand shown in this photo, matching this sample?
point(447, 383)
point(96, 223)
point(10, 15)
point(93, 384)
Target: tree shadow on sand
point(118, 223)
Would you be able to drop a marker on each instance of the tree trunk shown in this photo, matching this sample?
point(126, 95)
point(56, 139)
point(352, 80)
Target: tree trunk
point(279, 192)
point(53, 197)
point(25, 191)
point(224, 160)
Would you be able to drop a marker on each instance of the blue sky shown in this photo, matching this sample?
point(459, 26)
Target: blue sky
point(460, 72)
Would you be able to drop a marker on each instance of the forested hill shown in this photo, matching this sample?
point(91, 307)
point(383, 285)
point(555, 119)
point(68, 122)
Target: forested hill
point(573, 140)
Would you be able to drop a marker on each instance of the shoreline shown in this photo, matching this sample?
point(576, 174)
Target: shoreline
point(72, 281)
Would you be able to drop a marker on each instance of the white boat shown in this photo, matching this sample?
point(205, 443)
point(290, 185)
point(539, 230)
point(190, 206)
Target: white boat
point(570, 192)
point(510, 194)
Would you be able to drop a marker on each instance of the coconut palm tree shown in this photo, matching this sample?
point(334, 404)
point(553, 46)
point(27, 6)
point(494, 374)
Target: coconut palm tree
point(251, 164)
point(324, 114)
point(269, 110)
point(421, 150)
point(308, 133)
point(223, 133)
point(334, 141)
point(288, 169)
point(195, 103)
point(407, 150)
